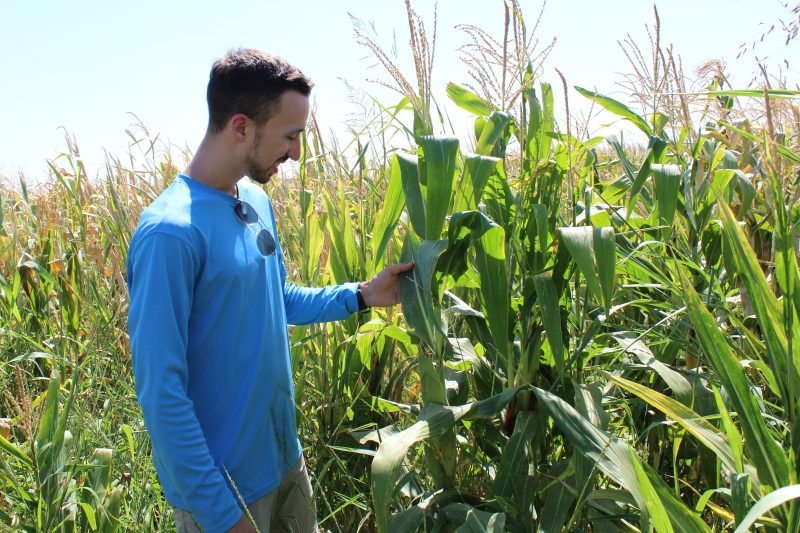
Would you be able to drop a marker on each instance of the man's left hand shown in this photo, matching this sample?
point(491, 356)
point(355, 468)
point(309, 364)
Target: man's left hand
point(383, 290)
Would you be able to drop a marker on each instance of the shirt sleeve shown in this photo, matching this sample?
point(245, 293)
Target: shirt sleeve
point(161, 274)
point(312, 305)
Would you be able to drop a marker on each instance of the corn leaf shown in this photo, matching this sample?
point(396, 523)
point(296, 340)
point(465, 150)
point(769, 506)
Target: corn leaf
point(409, 172)
point(698, 426)
point(440, 171)
point(513, 481)
point(491, 133)
point(605, 252)
point(12, 450)
point(408, 521)
point(768, 311)
point(433, 421)
point(469, 101)
point(612, 457)
point(766, 504)
point(677, 382)
point(547, 300)
point(655, 508)
point(618, 108)
point(667, 180)
point(415, 291)
point(768, 458)
point(467, 519)
point(594, 251)
point(386, 220)
point(490, 261)
point(477, 169)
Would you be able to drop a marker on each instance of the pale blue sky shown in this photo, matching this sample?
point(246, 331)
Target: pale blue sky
point(86, 64)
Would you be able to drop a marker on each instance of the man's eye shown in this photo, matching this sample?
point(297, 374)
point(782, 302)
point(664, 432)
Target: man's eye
point(293, 137)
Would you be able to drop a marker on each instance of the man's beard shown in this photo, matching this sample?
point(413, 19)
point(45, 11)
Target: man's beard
point(255, 171)
point(258, 173)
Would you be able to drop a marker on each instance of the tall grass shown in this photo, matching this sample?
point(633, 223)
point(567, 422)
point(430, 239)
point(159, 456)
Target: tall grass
point(596, 336)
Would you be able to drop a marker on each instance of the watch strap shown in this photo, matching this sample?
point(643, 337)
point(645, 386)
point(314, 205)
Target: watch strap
point(362, 306)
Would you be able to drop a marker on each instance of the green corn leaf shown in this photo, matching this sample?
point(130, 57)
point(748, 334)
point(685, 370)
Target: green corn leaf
point(500, 200)
point(655, 508)
point(594, 251)
point(785, 152)
point(589, 403)
point(90, 517)
point(786, 268)
point(433, 387)
point(734, 437)
point(548, 121)
point(477, 169)
point(490, 258)
point(469, 101)
point(388, 216)
point(747, 192)
point(580, 243)
point(47, 439)
point(558, 501)
point(408, 521)
point(618, 108)
point(467, 519)
point(108, 521)
point(490, 261)
point(344, 257)
point(740, 495)
point(433, 421)
point(538, 227)
point(698, 426)
point(677, 382)
point(768, 311)
point(534, 133)
point(409, 173)
point(768, 458)
point(753, 93)
point(667, 180)
point(605, 251)
point(636, 178)
point(766, 504)
point(440, 169)
point(541, 125)
point(682, 519)
point(547, 300)
point(491, 133)
point(512, 480)
point(313, 244)
point(659, 122)
point(15, 452)
point(415, 291)
point(612, 457)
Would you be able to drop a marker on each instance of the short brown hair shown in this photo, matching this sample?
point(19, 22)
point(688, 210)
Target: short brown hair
point(250, 82)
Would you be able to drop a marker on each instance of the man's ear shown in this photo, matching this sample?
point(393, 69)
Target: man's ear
point(239, 124)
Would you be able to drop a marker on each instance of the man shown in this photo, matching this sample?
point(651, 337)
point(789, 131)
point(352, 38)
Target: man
point(210, 306)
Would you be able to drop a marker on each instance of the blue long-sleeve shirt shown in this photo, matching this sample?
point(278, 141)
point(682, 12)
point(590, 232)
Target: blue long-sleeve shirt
point(208, 326)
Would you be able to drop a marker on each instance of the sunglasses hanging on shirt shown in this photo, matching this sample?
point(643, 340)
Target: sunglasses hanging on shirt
point(264, 239)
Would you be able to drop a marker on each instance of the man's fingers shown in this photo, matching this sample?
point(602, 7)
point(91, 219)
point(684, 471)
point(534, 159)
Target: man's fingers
point(401, 267)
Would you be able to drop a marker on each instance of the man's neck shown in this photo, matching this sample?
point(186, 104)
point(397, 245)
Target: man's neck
point(212, 166)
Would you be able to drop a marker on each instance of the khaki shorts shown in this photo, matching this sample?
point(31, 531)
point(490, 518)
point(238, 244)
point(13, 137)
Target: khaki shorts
point(289, 508)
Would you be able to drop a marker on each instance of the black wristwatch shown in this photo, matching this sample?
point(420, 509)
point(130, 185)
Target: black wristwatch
point(362, 306)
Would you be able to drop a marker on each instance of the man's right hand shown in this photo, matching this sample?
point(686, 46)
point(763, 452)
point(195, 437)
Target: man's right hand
point(244, 525)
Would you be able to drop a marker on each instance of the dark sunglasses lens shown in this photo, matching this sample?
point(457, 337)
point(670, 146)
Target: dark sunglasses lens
point(266, 244)
point(246, 212)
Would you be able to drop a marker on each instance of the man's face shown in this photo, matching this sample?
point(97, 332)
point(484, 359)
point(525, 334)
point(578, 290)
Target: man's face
point(278, 139)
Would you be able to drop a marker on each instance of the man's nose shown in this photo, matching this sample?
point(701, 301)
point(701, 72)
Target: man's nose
point(294, 149)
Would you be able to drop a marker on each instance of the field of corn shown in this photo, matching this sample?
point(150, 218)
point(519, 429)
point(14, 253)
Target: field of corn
point(598, 336)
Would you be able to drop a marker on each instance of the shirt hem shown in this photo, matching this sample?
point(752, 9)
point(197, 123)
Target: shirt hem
point(254, 496)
